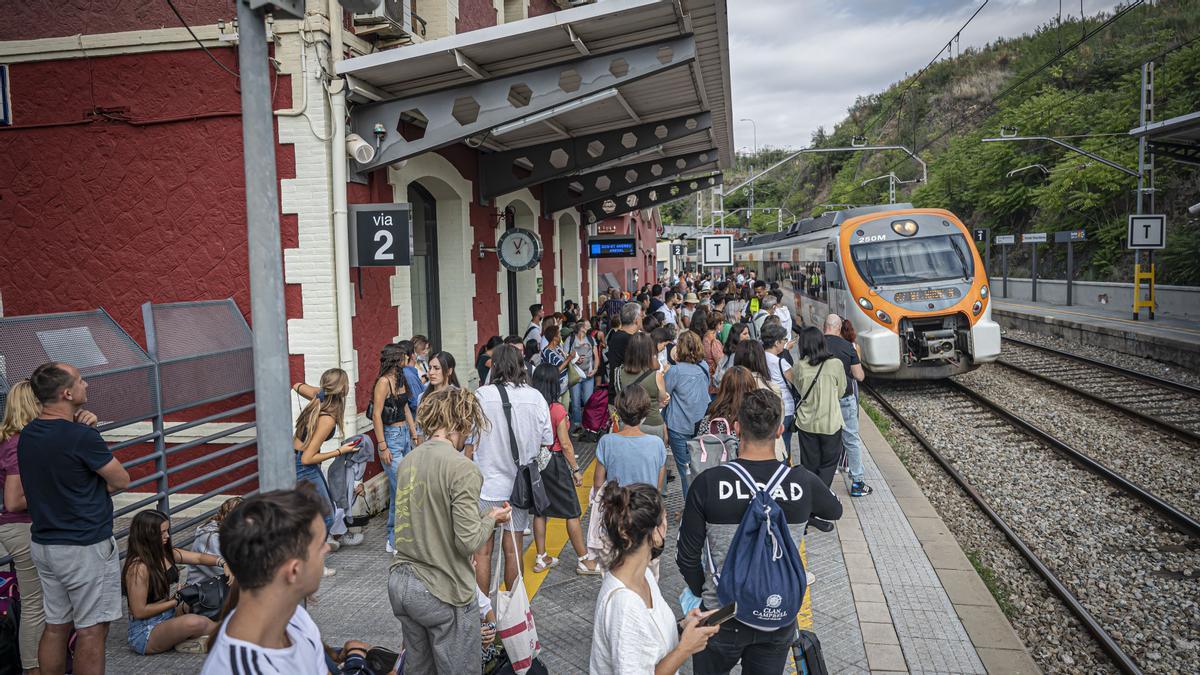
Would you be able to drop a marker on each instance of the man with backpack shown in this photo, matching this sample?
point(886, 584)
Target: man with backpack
point(723, 556)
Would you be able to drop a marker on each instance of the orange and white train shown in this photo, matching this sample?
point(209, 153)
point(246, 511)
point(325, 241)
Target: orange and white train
point(910, 280)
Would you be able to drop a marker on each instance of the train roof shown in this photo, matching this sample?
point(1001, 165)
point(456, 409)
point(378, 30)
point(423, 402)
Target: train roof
point(824, 221)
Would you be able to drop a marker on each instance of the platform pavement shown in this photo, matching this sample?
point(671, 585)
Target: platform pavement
point(893, 592)
point(1165, 339)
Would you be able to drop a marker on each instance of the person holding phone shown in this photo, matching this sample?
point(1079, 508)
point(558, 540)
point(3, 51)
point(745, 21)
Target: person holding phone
point(634, 630)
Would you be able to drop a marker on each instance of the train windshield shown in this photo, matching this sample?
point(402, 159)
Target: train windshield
point(906, 261)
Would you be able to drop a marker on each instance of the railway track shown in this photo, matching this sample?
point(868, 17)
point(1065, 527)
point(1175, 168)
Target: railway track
point(1056, 506)
point(1153, 400)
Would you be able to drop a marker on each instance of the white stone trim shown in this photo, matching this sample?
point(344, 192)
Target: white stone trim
point(456, 278)
point(568, 259)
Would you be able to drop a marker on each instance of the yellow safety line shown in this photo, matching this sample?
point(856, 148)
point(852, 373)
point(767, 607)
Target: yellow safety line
point(1102, 317)
point(556, 535)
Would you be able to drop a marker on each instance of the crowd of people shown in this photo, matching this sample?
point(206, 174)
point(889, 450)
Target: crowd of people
point(665, 366)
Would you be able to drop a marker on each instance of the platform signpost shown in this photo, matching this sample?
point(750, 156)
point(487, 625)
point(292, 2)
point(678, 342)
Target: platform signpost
point(716, 250)
point(1033, 239)
point(983, 236)
point(1145, 233)
point(1070, 237)
point(1004, 241)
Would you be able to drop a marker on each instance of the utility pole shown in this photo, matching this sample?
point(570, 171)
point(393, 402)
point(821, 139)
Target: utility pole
point(1145, 116)
point(750, 194)
point(276, 469)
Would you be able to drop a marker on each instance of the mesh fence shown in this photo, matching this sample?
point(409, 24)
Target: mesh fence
point(205, 352)
point(121, 379)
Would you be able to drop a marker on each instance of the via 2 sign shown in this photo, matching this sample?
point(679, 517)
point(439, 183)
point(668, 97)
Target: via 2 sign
point(380, 235)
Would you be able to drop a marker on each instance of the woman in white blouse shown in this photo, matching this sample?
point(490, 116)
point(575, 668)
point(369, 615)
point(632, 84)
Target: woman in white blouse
point(635, 631)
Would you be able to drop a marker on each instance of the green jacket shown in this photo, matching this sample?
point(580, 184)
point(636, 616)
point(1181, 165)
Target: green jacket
point(821, 412)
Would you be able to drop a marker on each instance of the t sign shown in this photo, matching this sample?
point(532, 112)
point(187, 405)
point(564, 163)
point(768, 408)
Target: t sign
point(717, 250)
point(1147, 232)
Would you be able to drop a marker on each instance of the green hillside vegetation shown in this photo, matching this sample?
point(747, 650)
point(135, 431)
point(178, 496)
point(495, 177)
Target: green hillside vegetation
point(1089, 93)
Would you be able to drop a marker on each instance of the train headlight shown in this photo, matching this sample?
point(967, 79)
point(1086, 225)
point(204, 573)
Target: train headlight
point(904, 228)
point(983, 291)
point(865, 304)
point(883, 316)
point(977, 307)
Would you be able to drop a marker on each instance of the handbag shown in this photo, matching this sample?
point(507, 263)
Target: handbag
point(711, 448)
point(207, 597)
point(528, 490)
point(514, 620)
point(393, 410)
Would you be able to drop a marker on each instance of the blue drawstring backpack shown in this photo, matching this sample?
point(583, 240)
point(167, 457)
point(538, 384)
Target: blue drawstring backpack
point(762, 571)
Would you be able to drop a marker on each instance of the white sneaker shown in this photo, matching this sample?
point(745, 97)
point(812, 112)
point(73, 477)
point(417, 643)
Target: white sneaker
point(329, 571)
point(527, 532)
point(390, 549)
point(809, 578)
point(334, 544)
point(352, 539)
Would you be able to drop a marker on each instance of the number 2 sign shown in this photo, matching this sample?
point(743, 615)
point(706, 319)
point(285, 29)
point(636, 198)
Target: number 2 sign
point(380, 235)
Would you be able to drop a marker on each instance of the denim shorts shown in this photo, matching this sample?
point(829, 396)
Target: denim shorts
point(139, 629)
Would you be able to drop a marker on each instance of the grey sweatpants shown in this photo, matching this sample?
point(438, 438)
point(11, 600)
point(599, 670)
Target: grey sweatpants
point(439, 638)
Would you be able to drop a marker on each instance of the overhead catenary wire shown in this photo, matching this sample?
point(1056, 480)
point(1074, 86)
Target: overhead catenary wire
point(222, 66)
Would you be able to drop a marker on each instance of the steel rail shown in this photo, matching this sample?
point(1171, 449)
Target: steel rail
point(1181, 520)
point(1137, 375)
point(1144, 417)
point(1121, 659)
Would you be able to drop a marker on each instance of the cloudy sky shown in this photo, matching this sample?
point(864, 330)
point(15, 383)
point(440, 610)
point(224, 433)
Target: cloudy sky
point(799, 64)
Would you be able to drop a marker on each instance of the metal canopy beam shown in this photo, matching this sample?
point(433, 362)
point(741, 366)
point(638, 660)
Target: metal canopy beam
point(572, 191)
point(459, 112)
point(1180, 152)
point(655, 195)
point(497, 175)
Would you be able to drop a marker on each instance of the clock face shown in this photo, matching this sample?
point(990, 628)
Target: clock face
point(519, 249)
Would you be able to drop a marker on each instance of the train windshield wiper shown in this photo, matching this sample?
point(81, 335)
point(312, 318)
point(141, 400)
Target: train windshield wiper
point(961, 260)
point(866, 266)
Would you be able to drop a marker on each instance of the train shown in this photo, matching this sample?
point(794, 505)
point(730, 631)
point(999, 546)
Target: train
point(910, 280)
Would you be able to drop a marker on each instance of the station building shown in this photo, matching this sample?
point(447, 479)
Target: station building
point(121, 173)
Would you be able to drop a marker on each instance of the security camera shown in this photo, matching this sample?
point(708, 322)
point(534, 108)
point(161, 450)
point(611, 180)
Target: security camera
point(1194, 209)
point(360, 150)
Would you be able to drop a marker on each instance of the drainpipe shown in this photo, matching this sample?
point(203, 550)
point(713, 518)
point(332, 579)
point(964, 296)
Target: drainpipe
point(341, 238)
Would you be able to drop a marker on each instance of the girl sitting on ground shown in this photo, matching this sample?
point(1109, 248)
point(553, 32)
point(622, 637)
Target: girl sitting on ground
point(208, 540)
point(156, 622)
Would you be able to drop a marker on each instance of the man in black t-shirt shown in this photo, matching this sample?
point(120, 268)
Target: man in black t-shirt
point(631, 321)
point(68, 474)
point(716, 502)
point(852, 443)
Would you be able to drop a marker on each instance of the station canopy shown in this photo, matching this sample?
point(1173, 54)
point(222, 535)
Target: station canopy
point(1177, 138)
point(611, 107)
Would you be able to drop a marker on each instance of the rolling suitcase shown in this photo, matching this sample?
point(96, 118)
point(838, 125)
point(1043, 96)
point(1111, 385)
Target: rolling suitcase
point(806, 650)
point(596, 420)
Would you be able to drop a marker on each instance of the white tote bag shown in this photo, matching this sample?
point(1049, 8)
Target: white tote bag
point(514, 619)
point(597, 539)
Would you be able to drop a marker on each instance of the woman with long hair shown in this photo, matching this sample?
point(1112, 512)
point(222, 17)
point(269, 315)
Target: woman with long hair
point(20, 408)
point(751, 356)
point(392, 421)
point(318, 422)
point(208, 540)
point(483, 360)
point(634, 629)
point(737, 383)
point(641, 367)
point(687, 388)
point(441, 372)
point(587, 361)
point(151, 569)
point(819, 416)
point(714, 353)
point(560, 477)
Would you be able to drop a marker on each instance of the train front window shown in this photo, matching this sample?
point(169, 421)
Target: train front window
point(905, 261)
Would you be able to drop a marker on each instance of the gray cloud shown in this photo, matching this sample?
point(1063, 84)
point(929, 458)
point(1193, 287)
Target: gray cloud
point(799, 64)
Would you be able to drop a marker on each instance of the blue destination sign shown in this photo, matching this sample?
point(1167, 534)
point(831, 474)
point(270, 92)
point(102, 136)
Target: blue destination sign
point(612, 247)
point(1069, 235)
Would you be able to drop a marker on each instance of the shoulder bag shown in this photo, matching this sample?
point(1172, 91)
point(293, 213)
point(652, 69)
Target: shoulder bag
point(207, 597)
point(528, 491)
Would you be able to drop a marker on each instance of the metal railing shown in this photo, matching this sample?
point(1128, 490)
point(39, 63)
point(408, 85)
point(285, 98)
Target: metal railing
point(197, 366)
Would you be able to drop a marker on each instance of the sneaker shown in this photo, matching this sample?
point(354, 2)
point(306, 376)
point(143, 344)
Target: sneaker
point(860, 489)
point(195, 646)
point(334, 544)
point(527, 532)
point(328, 572)
point(390, 549)
point(822, 525)
point(809, 578)
point(352, 539)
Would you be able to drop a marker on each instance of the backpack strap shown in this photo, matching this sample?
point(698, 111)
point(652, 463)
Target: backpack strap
point(512, 436)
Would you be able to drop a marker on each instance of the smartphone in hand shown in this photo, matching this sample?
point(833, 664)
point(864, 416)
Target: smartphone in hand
point(720, 616)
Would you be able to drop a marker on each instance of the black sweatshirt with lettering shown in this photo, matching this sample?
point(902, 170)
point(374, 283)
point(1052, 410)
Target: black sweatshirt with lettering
point(718, 498)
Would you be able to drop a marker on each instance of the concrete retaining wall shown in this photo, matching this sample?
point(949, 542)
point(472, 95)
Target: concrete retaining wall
point(1178, 302)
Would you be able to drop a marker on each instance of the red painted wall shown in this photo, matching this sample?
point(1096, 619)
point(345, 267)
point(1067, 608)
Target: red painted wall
point(112, 214)
point(539, 7)
point(474, 14)
point(647, 237)
point(31, 19)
